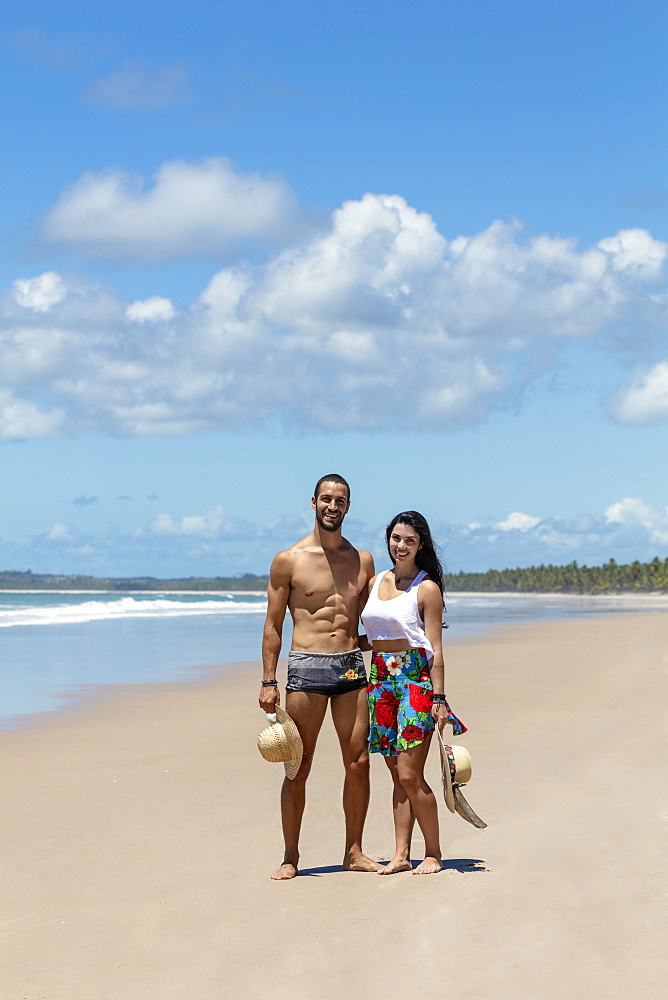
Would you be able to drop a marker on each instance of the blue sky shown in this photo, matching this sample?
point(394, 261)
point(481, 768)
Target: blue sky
point(422, 245)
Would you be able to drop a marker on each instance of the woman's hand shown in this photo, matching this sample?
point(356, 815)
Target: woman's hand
point(439, 713)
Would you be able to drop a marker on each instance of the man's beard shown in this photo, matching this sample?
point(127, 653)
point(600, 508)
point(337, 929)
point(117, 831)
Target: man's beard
point(328, 525)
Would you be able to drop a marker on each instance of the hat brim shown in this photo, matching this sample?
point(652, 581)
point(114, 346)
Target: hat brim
point(294, 742)
point(463, 809)
point(446, 777)
point(453, 795)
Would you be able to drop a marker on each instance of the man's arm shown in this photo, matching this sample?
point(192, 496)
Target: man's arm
point(369, 571)
point(278, 593)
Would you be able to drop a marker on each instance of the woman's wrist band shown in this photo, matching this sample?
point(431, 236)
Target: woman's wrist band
point(269, 684)
point(440, 699)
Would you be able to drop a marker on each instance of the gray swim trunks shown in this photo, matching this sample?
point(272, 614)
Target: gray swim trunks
point(326, 673)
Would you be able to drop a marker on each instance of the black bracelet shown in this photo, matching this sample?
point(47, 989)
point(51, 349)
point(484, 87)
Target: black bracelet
point(440, 698)
point(269, 684)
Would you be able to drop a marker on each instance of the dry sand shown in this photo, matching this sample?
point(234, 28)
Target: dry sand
point(139, 831)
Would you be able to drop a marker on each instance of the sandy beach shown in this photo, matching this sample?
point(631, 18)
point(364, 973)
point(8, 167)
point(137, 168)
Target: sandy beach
point(139, 831)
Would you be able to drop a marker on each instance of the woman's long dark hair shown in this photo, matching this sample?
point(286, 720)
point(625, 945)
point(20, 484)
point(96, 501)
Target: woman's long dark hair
point(426, 557)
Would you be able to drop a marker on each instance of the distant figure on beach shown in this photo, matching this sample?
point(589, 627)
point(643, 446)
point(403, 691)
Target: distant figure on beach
point(323, 581)
point(403, 619)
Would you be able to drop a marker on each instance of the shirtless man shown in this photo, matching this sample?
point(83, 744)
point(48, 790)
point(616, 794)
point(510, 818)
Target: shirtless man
point(323, 581)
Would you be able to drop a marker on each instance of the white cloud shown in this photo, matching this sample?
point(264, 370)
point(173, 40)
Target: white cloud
point(645, 399)
point(634, 512)
point(214, 544)
point(210, 525)
point(518, 522)
point(627, 530)
point(140, 87)
point(40, 293)
point(190, 208)
point(635, 251)
point(150, 310)
point(60, 533)
point(20, 419)
point(377, 307)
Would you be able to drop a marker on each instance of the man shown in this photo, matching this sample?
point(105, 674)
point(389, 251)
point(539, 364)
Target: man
point(323, 581)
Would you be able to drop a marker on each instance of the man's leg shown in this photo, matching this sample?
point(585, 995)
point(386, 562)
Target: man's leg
point(351, 721)
point(307, 712)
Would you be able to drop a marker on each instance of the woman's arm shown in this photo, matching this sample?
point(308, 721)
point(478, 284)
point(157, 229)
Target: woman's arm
point(430, 602)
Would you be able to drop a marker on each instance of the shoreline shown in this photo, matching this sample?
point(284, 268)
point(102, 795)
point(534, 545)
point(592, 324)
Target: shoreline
point(78, 695)
point(263, 593)
point(140, 830)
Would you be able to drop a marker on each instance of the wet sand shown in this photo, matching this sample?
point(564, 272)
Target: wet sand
point(139, 832)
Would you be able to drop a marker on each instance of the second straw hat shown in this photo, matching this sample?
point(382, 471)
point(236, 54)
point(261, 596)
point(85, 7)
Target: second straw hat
point(456, 771)
point(281, 742)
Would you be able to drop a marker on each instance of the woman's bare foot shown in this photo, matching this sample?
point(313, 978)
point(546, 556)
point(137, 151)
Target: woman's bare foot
point(286, 870)
point(355, 861)
point(428, 867)
point(396, 865)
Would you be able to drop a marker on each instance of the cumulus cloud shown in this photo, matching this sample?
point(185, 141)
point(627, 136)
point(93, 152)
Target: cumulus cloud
point(325, 333)
point(209, 525)
point(150, 310)
point(627, 530)
point(517, 522)
point(634, 512)
point(21, 419)
point(212, 543)
point(645, 399)
point(60, 533)
point(141, 87)
point(189, 209)
point(40, 293)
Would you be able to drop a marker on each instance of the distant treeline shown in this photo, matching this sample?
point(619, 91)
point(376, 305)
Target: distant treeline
point(25, 580)
point(612, 578)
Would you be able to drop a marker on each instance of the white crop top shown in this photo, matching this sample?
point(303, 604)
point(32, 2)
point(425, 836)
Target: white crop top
point(398, 618)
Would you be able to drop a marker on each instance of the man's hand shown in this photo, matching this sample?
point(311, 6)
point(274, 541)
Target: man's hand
point(269, 698)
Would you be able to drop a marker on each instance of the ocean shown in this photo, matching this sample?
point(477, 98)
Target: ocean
point(57, 647)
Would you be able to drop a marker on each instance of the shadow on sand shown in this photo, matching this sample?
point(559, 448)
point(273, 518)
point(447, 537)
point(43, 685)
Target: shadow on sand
point(464, 865)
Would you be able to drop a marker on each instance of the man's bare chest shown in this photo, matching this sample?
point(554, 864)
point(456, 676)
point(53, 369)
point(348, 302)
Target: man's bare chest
point(321, 582)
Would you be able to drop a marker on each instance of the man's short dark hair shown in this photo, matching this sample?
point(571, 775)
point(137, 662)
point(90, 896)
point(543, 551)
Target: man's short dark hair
point(333, 477)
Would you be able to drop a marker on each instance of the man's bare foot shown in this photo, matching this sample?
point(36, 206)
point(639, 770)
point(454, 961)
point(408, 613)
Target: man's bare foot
point(396, 865)
point(286, 870)
point(428, 867)
point(359, 862)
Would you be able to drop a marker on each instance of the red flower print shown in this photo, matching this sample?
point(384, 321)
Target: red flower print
point(420, 699)
point(386, 710)
point(381, 667)
point(385, 743)
point(409, 733)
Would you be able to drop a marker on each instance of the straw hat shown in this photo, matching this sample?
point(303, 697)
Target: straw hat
point(281, 742)
point(457, 760)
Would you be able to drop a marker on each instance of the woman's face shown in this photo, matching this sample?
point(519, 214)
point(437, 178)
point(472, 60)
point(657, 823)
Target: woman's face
point(404, 544)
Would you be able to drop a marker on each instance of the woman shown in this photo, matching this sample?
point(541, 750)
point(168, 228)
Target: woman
point(403, 619)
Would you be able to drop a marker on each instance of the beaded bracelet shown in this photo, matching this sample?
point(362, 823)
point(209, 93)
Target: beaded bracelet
point(269, 684)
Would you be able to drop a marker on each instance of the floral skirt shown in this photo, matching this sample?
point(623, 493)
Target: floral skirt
point(400, 697)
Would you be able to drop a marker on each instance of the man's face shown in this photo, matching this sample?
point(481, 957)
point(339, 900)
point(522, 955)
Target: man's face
point(331, 505)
